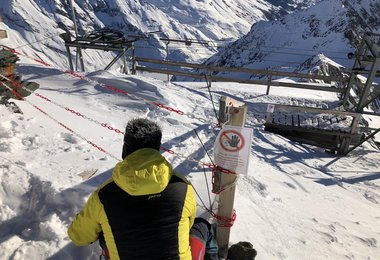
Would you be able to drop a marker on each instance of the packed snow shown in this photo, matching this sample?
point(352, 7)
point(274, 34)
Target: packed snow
point(296, 202)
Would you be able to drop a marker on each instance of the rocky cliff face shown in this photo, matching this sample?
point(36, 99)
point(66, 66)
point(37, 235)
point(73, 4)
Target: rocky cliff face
point(316, 40)
point(332, 27)
point(218, 21)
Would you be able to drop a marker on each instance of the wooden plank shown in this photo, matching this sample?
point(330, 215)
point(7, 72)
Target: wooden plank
point(244, 70)
point(330, 139)
point(355, 124)
point(370, 113)
point(188, 42)
point(318, 137)
point(318, 110)
point(237, 117)
point(171, 72)
point(375, 50)
point(363, 140)
point(361, 71)
point(94, 46)
point(314, 131)
point(247, 81)
point(3, 34)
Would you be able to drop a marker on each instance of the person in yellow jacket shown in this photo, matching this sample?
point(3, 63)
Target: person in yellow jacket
point(146, 210)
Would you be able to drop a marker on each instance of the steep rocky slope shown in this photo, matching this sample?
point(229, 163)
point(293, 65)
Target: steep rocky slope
point(30, 21)
point(332, 27)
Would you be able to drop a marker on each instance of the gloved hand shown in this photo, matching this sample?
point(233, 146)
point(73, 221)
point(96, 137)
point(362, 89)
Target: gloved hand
point(241, 251)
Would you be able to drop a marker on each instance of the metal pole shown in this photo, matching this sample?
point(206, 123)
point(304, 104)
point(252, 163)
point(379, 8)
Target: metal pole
point(362, 141)
point(133, 60)
point(67, 38)
point(368, 85)
point(167, 61)
point(269, 81)
point(118, 56)
point(79, 50)
point(350, 83)
point(125, 63)
point(70, 60)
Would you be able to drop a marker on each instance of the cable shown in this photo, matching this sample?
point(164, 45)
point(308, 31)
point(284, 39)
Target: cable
point(208, 189)
point(47, 38)
point(59, 123)
point(204, 170)
point(200, 198)
point(204, 148)
point(212, 101)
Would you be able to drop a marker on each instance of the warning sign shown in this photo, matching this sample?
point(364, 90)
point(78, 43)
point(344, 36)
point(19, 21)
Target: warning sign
point(232, 148)
point(231, 141)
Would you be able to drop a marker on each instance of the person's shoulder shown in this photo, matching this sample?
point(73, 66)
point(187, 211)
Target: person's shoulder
point(104, 184)
point(181, 177)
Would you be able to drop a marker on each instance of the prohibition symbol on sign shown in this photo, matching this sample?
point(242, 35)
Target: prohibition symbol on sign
point(231, 141)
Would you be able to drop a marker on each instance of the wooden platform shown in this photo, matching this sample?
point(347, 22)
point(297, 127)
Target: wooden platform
point(285, 121)
point(3, 34)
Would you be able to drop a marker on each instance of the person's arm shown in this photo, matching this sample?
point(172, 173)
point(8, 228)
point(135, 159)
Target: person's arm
point(192, 204)
point(85, 227)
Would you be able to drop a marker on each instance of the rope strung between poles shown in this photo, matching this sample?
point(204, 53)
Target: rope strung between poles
point(204, 171)
point(188, 158)
point(123, 92)
point(104, 124)
point(119, 91)
point(60, 123)
point(222, 221)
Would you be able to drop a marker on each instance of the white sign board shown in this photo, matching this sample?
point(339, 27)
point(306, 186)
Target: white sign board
point(232, 148)
point(270, 108)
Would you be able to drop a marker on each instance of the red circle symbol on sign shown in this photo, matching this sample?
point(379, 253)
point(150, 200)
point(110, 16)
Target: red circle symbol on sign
point(231, 141)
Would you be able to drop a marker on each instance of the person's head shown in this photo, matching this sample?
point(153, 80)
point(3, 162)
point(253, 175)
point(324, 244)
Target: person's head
point(141, 133)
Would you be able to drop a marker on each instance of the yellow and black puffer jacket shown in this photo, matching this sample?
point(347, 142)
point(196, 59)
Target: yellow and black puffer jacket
point(145, 211)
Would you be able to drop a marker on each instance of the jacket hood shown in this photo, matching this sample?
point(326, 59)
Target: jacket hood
point(143, 172)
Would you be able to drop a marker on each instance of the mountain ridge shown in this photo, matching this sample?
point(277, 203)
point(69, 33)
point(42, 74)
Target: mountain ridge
point(205, 20)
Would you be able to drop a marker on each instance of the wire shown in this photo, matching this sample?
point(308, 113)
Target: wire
point(204, 170)
point(266, 50)
point(200, 198)
point(212, 101)
point(204, 148)
point(31, 43)
point(207, 53)
point(208, 188)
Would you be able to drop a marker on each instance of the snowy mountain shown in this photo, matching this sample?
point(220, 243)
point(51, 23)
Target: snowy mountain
point(30, 22)
point(330, 27)
point(296, 202)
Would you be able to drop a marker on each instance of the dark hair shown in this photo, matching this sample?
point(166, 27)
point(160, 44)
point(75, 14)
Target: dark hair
point(141, 133)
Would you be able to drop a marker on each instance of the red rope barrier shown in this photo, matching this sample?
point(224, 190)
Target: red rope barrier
point(224, 221)
point(221, 220)
point(59, 123)
point(117, 90)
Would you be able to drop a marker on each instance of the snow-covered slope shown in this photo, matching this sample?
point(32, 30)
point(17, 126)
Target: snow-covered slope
point(296, 202)
point(31, 21)
point(28, 21)
point(331, 27)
